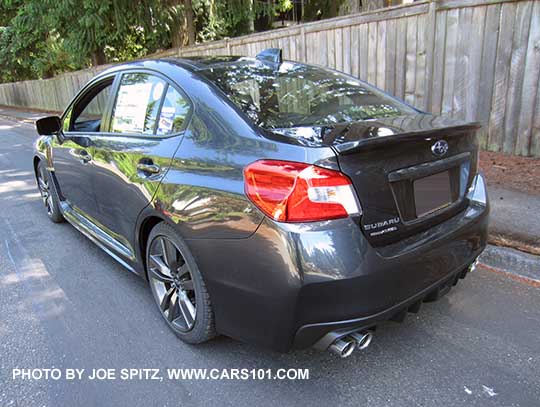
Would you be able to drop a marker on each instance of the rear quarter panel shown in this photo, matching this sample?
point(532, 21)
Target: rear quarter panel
point(203, 190)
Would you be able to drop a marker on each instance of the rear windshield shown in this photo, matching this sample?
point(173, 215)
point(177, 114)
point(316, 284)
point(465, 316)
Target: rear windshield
point(300, 95)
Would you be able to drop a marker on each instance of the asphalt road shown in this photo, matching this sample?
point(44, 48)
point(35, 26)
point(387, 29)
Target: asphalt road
point(66, 304)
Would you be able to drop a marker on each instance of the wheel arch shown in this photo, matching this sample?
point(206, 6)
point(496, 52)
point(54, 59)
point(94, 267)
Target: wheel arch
point(148, 219)
point(35, 162)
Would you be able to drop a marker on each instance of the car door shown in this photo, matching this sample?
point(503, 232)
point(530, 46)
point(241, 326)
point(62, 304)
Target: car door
point(148, 117)
point(72, 159)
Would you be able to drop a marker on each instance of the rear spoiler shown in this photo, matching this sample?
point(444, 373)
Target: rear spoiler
point(366, 136)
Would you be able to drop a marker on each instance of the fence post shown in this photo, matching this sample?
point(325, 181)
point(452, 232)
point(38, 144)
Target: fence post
point(430, 52)
point(303, 43)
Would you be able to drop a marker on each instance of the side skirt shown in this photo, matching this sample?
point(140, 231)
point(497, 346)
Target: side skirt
point(104, 241)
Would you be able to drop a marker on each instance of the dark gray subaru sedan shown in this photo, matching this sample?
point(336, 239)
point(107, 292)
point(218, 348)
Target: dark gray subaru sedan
point(278, 203)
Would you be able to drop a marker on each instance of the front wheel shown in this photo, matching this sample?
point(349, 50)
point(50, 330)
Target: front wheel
point(178, 287)
point(48, 195)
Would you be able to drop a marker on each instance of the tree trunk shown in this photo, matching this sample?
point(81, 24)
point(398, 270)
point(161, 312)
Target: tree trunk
point(251, 22)
point(98, 57)
point(183, 28)
point(189, 22)
point(177, 35)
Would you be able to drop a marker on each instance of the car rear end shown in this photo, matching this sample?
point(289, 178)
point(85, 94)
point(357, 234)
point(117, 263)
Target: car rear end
point(396, 219)
point(423, 224)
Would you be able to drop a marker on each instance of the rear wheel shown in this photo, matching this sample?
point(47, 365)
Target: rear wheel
point(48, 195)
point(178, 287)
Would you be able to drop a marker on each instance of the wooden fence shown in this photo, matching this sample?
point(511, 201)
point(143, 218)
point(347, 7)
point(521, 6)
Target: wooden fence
point(471, 59)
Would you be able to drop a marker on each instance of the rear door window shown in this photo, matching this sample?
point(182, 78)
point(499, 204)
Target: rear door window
point(174, 113)
point(137, 104)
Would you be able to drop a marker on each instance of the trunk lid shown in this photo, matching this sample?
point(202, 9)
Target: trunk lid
point(405, 180)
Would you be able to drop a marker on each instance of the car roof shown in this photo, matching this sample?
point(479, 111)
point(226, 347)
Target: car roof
point(193, 64)
point(200, 63)
point(203, 62)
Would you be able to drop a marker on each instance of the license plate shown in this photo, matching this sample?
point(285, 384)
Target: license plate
point(432, 193)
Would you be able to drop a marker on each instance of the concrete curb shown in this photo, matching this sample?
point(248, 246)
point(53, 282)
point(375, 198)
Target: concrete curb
point(512, 263)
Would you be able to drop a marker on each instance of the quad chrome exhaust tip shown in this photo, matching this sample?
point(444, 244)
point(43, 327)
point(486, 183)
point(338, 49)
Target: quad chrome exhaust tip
point(345, 346)
point(363, 339)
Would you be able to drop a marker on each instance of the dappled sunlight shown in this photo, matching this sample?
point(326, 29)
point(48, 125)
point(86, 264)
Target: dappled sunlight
point(8, 280)
point(16, 186)
point(45, 297)
point(15, 173)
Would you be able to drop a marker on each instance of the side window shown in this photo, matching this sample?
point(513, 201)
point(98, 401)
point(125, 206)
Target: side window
point(137, 103)
point(173, 112)
point(87, 114)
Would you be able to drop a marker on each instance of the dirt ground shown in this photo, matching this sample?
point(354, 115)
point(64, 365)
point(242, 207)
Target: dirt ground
point(513, 172)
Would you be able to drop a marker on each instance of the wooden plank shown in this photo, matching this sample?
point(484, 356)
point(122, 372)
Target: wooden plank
point(474, 63)
point(429, 39)
point(293, 50)
point(437, 79)
point(535, 131)
point(372, 53)
point(346, 50)
point(530, 85)
point(381, 54)
point(401, 61)
point(487, 70)
point(390, 63)
point(420, 68)
point(302, 45)
point(406, 10)
point(363, 38)
point(331, 48)
point(452, 22)
point(410, 68)
point(355, 51)
point(515, 82)
point(502, 64)
point(453, 4)
point(461, 89)
point(338, 49)
point(311, 40)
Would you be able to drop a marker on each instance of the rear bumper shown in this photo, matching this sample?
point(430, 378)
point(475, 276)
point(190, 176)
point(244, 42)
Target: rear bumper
point(322, 335)
point(290, 285)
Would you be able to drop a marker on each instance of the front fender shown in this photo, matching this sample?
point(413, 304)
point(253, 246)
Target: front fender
point(43, 151)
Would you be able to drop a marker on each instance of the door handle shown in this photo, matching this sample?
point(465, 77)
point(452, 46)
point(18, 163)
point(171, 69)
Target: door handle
point(149, 168)
point(85, 157)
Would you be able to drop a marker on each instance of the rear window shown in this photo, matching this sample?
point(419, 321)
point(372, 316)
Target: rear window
point(300, 95)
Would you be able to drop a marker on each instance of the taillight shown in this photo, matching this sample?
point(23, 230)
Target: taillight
point(297, 192)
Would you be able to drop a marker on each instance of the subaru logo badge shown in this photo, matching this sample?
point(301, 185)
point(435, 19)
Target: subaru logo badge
point(440, 148)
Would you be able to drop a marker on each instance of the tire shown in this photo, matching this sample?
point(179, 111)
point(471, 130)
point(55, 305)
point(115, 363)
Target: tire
point(48, 194)
point(176, 282)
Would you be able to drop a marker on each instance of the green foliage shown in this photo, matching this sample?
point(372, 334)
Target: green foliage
point(110, 30)
point(28, 48)
point(321, 9)
point(41, 38)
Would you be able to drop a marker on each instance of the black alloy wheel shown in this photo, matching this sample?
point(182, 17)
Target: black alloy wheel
point(47, 193)
point(178, 287)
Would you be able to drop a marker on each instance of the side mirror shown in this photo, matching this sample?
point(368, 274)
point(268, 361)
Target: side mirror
point(49, 125)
